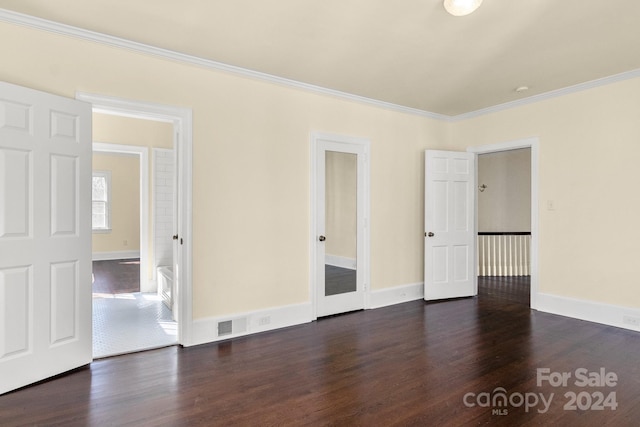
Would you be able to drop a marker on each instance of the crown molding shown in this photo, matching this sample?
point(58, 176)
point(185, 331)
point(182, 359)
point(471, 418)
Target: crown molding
point(549, 95)
point(105, 39)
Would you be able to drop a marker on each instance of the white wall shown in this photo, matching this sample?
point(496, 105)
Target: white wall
point(163, 176)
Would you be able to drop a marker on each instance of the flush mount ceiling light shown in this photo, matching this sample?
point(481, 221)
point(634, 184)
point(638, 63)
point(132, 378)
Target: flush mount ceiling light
point(461, 7)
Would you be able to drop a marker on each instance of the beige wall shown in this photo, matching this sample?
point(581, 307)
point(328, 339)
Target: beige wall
point(588, 168)
point(251, 165)
point(341, 204)
point(505, 203)
point(128, 131)
point(251, 172)
point(125, 203)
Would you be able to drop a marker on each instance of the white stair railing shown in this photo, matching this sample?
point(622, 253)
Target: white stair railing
point(503, 253)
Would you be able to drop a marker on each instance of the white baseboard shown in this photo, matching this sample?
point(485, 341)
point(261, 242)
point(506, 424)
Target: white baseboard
point(206, 330)
point(396, 295)
point(340, 261)
point(607, 314)
point(107, 256)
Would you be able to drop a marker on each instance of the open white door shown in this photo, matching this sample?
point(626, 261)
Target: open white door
point(450, 249)
point(45, 235)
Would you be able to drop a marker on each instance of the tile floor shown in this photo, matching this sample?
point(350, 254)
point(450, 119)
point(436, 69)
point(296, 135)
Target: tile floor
point(129, 322)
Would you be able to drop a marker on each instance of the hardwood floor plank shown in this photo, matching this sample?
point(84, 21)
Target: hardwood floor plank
point(409, 364)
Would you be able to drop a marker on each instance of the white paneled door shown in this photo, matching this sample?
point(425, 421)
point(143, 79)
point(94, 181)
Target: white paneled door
point(45, 235)
point(450, 249)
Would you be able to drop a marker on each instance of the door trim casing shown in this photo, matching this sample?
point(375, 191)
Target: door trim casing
point(182, 120)
point(363, 228)
point(532, 143)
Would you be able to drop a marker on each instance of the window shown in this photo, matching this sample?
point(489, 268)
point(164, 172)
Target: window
point(101, 201)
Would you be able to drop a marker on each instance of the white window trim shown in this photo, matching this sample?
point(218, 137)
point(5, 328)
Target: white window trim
point(107, 175)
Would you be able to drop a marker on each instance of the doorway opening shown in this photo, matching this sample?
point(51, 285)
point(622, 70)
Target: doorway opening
point(506, 220)
point(128, 314)
point(504, 225)
point(180, 121)
point(340, 209)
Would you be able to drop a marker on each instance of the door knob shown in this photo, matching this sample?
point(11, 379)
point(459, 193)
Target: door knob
point(322, 238)
point(175, 237)
point(430, 234)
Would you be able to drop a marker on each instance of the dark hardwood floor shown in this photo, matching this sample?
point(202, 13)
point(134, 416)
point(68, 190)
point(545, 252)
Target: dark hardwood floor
point(505, 289)
point(412, 364)
point(116, 276)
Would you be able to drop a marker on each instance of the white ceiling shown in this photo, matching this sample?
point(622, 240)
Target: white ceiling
point(405, 52)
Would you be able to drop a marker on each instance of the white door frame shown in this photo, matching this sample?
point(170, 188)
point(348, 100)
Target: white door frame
point(533, 144)
point(181, 118)
point(143, 157)
point(364, 253)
